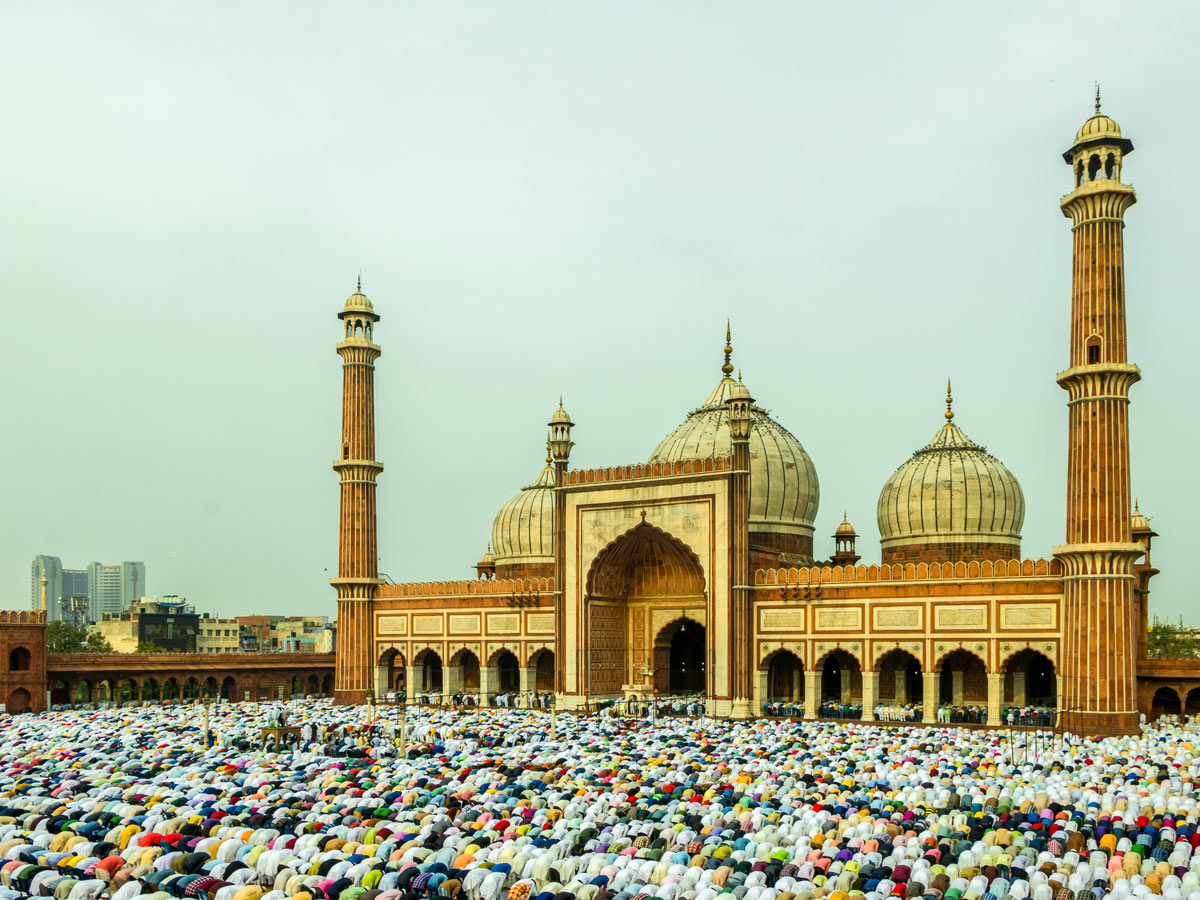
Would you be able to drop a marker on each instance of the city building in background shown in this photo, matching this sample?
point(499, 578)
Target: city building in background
point(82, 596)
point(218, 635)
point(49, 567)
point(167, 622)
point(286, 634)
point(114, 588)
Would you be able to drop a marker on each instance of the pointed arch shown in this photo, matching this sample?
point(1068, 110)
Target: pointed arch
point(646, 561)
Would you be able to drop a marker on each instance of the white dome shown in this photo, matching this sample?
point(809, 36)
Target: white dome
point(952, 491)
point(784, 493)
point(523, 531)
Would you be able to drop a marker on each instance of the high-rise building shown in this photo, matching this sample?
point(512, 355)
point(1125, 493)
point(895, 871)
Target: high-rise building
point(114, 588)
point(82, 596)
point(75, 603)
point(51, 568)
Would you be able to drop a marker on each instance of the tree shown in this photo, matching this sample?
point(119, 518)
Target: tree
point(1169, 641)
point(148, 647)
point(63, 637)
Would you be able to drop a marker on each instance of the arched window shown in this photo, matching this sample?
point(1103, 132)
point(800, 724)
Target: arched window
point(1110, 166)
point(345, 451)
point(1093, 167)
point(1079, 173)
point(1093, 350)
point(20, 660)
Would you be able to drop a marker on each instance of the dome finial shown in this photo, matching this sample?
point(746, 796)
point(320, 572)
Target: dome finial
point(549, 458)
point(1097, 98)
point(949, 403)
point(727, 369)
point(360, 281)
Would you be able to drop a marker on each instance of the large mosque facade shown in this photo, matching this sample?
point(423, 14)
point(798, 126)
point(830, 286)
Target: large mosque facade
point(693, 573)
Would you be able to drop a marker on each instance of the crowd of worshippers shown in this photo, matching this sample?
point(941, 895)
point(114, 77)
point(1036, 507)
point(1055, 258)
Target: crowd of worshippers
point(129, 804)
point(472, 699)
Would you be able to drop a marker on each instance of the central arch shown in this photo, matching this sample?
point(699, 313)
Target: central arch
point(679, 651)
point(631, 585)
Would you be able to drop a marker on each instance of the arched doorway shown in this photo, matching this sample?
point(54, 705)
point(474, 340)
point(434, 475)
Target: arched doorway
point(390, 671)
point(543, 665)
point(20, 660)
point(210, 687)
point(18, 701)
point(841, 678)
point(900, 682)
point(314, 685)
point(962, 688)
point(508, 672)
point(641, 573)
point(1029, 680)
point(785, 678)
point(1192, 704)
point(327, 684)
point(1165, 703)
point(679, 651)
point(229, 688)
point(430, 666)
point(83, 692)
point(467, 664)
point(150, 689)
point(127, 691)
point(60, 693)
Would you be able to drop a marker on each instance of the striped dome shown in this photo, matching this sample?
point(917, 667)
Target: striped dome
point(1098, 126)
point(784, 493)
point(951, 491)
point(523, 531)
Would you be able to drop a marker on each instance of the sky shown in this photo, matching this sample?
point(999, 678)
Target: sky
point(552, 199)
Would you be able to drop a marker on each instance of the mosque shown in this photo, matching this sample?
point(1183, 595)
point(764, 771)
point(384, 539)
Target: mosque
point(693, 572)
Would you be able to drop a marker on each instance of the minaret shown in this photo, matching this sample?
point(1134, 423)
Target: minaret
point(1099, 660)
point(844, 539)
point(741, 420)
point(358, 556)
point(558, 445)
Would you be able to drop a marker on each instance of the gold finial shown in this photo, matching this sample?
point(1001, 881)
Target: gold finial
point(727, 369)
point(1097, 98)
point(360, 281)
point(949, 403)
point(549, 458)
point(1136, 507)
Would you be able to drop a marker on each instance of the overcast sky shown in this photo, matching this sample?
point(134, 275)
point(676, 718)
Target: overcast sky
point(556, 198)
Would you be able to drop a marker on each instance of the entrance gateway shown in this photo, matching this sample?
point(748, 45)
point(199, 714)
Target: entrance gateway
point(646, 604)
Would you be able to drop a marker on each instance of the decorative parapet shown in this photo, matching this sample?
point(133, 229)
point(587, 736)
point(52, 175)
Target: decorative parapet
point(22, 617)
point(166, 661)
point(650, 470)
point(492, 587)
point(978, 569)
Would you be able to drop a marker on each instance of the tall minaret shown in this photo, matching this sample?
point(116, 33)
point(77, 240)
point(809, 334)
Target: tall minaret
point(1099, 659)
point(559, 444)
point(739, 410)
point(358, 557)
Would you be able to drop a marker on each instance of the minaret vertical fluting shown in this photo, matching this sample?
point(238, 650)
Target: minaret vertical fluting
point(559, 443)
point(740, 407)
point(1098, 667)
point(358, 554)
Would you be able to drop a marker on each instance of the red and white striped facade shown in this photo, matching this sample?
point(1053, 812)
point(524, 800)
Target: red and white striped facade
point(1098, 557)
point(358, 555)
